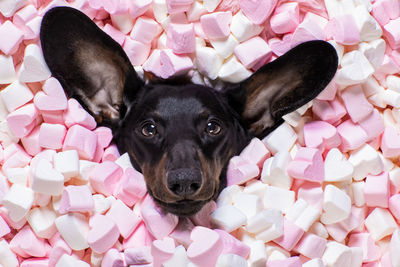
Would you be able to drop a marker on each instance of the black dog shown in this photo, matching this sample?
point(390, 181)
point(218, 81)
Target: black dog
point(180, 136)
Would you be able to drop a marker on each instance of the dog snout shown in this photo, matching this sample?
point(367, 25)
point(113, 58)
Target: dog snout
point(184, 182)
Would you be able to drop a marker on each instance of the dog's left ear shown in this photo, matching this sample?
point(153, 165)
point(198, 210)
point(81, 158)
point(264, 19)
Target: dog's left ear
point(90, 65)
point(283, 86)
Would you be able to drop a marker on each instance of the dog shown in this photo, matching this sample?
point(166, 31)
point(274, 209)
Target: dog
point(180, 135)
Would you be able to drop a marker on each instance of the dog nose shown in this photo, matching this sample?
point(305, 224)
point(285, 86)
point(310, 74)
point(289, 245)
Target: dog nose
point(184, 182)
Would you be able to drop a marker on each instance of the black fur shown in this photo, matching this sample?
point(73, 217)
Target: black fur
point(183, 164)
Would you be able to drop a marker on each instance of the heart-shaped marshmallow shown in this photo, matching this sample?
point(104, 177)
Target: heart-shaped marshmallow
point(162, 250)
point(307, 165)
point(103, 233)
point(390, 142)
point(52, 98)
point(34, 68)
point(321, 135)
point(22, 120)
point(337, 168)
point(257, 10)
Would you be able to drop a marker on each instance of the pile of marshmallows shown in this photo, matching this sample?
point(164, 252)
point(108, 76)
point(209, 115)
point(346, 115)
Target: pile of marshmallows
point(321, 190)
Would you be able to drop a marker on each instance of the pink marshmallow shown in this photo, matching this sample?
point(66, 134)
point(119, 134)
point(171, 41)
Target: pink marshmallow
point(76, 199)
point(52, 135)
point(82, 140)
point(140, 237)
point(104, 136)
point(123, 217)
point(286, 18)
point(203, 217)
point(312, 193)
point(390, 145)
point(352, 135)
point(291, 235)
point(394, 206)
point(377, 190)
point(22, 120)
point(392, 34)
point(136, 51)
point(103, 233)
point(371, 252)
point(321, 135)
point(289, 262)
point(162, 250)
point(11, 37)
point(308, 30)
point(257, 11)
point(311, 246)
point(253, 52)
point(379, 12)
point(308, 165)
point(344, 30)
point(139, 7)
point(24, 15)
point(174, 65)
point(181, 38)
point(138, 256)
point(329, 93)
point(105, 177)
point(55, 117)
point(111, 153)
point(178, 6)
point(329, 111)
point(240, 171)
point(205, 248)
point(35, 263)
point(256, 152)
point(52, 97)
point(153, 63)
point(356, 104)
point(132, 187)
point(25, 243)
point(118, 36)
point(4, 228)
point(232, 245)
point(159, 223)
point(280, 47)
point(392, 8)
point(373, 124)
point(76, 114)
point(216, 25)
point(112, 258)
point(145, 30)
point(181, 233)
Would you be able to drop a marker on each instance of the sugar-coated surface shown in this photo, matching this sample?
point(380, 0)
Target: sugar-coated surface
point(322, 190)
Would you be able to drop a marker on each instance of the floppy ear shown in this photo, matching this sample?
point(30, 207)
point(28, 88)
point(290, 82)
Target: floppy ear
point(283, 86)
point(89, 64)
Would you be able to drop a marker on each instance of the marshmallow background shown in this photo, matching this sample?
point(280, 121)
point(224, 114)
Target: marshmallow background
point(321, 190)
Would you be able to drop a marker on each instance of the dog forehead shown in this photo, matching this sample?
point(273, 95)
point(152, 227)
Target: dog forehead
point(173, 106)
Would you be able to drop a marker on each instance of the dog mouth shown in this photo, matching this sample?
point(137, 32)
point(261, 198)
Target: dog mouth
point(182, 208)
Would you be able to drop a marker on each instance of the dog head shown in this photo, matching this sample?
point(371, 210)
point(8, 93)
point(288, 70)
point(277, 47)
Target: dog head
point(180, 135)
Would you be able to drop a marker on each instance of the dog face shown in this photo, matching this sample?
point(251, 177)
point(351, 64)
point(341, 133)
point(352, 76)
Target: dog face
point(180, 135)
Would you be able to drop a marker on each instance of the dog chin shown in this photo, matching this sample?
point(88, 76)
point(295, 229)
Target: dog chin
point(184, 208)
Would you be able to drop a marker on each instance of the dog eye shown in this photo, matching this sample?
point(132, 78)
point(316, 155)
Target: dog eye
point(149, 130)
point(213, 128)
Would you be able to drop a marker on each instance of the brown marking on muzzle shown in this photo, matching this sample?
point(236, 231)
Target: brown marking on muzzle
point(211, 170)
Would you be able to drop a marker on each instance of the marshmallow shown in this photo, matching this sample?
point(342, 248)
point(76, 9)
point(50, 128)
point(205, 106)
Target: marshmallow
point(208, 62)
point(391, 34)
point(374, 51)
point(366, 161)
point(46, 179)
point(82, 140)
point(76, 114)
point(311, 246)
point(376, 190)
point(123, 217)
point(390, 147)
point(307, 30)
point(274, 171)
point(286, 18)
point(242, 28)
point(228, 218)
point(278, 198)
point(67, 163)
point(226, 260)
point(240, 171)
point(26, 244)
point(41, 221)
point(337, 168)
point(105, 176)
point(232, 71)
point(7, 73)
point(291, 235)
point(394, 248)
point(353, 136)
point(380, 223)
point(162, 250)
point(248, 204)
point(337, 205)
point(371, 251)
point(281, 139)
point(355, 69)
point(74, 229)
point(181, 38)
point(216, 25)
point(244, 52)
point(308, 165)
point(8, 8)
point(178, 259)
point(354, 97)
point(103, 233)
point(321, 135)
point(18, 201)
point(337, 254)
point(76, 199)
point(266, 225)
point(52, 135)
point(225, 47)
point(258, 11)
point(112, 258)
point(198, 9)
point(34, 68)
point(23, 120)
point(138, 8)
point(329, 111)
point(211, 5)
point(139, 255)
point(16, 95)
point(145, 30)
point(172, 64)
point(69, 261)
point(12, 35)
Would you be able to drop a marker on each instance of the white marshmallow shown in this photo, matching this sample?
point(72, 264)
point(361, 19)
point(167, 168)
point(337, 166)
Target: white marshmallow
point(355, 69)
point(302, 214)
point(208, 62)
point(233, 71)
point(124, 161)
point(278, 198)
point(269, 219)
point(277, 255)
point(227, 194)
point(7, 71)
point(337, 7)
point(73, 228)
point(160, 10)
point(281, 139)
point(339, 49)
point(314, 263)
point(296, 210)
point(196, 11)
point(8, 7)
point(374, 51)
point(394, 177)
point(7, 256)
point(123, 22)
point(336, 205)
point(395, 248)
point(15, 95)
point(249, 204)
point(336, 255)
point(369, 28)
point(258, 254)
point(228, 218)
point(18, 201)
point(371, 87)
point(6, 136)
point(211, 5)
point(393, 83)
point(391, 98)
point(319, 229)
point(228, 260)
point(243, 28)
point(178, 259)
point(47, 180)
point(3, 110)
point(225, 47)
point(293, 118)
point(356, 256)
point(388, 165)
point(337, 168)
point(366, 161)
point(70, 261)
point(162, 41)
point(41, 221)
point(34, 68)
point(85, 168)
point(357, 189)
point(102, 204)
point(255, 187)
point(67, 163)
point(17, 175)
point(380, 223)
point(274, 170)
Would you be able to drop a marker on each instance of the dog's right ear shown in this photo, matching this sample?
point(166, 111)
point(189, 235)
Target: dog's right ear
point(89, 64)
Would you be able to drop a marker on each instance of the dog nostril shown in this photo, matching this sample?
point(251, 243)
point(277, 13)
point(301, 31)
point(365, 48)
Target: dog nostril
point(184, 182)
point(194, 187)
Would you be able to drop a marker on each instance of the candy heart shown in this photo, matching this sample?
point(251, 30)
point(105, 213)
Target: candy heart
point(52, 98)
point(337, 168)
point(22, 120)
point(307, 165)
point(162, 250)
point(103, 233)
point(34, 68)
point(321, 135)
point(47, 180)
point(390, 142)
point(257, 10)
point(76, 114)
point(205, 248)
